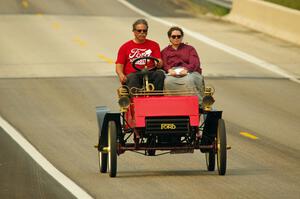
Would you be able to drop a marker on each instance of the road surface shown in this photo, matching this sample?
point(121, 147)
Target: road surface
point(56, 66)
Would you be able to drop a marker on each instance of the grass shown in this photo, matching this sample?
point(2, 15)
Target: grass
point(211, 8)
point(203, 7)
point(295, 4)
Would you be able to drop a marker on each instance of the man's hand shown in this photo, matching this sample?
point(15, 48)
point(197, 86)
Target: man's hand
point(119, 71)
point(178, 72)
point(159, 64)
point(172, 72)
point(122, 78)
point(184, 72)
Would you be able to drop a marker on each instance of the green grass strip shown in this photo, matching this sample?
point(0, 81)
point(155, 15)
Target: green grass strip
point(211, 8)
point(295, 4)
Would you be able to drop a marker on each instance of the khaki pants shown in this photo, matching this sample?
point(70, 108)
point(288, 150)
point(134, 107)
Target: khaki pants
point(192, 81)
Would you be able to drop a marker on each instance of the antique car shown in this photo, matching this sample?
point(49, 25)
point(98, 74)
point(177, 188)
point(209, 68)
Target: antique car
point(154, 122)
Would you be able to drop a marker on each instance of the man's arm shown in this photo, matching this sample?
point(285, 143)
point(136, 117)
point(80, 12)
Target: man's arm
point(157, 55)
point(119, 71)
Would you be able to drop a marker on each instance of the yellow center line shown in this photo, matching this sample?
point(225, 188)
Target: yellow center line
point(25, 3)
point(248, 135)
point(106, 59)
point(56, 25)
point(79, 41)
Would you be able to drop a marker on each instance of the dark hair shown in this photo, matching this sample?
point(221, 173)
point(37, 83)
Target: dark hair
point(139, 21)
point(173, 29)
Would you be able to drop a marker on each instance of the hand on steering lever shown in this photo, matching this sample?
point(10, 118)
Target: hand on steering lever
point(122, 78)
point(158, 64)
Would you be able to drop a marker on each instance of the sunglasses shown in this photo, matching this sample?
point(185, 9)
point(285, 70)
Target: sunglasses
point(141, 30)
point(176, 36)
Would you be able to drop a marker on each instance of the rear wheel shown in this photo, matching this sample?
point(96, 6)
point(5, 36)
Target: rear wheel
point(210, 158)
point(112, 149)
point(221, 147)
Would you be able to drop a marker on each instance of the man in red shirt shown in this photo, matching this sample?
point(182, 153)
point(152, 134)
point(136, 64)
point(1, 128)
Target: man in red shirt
point(136, 48)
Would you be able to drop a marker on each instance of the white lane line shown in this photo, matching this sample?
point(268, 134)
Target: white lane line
point(77, 191)
point(235, 52)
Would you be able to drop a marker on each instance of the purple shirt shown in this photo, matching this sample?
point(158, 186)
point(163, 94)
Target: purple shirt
point(185, 56)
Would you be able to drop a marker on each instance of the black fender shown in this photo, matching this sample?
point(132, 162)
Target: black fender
point(210, 127)
point(103, 117)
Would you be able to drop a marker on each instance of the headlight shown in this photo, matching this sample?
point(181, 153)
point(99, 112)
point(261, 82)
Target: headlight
point(208, 99)
point(124, 102)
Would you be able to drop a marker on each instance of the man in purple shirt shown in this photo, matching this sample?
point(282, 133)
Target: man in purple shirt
point(182, 64)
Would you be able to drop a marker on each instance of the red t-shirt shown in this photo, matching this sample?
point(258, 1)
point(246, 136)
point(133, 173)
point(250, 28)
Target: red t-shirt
point(129, 51)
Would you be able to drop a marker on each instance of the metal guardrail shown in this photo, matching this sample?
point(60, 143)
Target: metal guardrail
point(223, 3)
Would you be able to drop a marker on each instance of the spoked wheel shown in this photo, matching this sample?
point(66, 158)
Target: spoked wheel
point(210, 158)
point(151, 142)
point(112, 149)
point(221, 147)
point(151, 152)
point(102, 162)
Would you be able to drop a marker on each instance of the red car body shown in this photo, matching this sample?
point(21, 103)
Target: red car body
point(156, 106)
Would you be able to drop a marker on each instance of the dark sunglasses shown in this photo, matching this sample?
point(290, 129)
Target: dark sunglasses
point(176, 36)
point(141, 30)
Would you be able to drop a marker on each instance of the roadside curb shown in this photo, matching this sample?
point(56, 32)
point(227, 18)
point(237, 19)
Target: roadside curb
point(266, 17)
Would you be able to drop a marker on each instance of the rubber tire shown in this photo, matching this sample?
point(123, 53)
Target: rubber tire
point(112, 145)
point(102, 162)
point(210, 158)
point(221, 147)
point(151, 152)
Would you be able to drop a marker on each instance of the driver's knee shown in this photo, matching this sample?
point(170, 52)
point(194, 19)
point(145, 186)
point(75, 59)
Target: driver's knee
point(159, 74)
point(158, 78)
point(133, 80)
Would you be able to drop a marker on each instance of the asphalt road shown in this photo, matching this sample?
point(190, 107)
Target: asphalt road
point(56, 66)
point(21, 177)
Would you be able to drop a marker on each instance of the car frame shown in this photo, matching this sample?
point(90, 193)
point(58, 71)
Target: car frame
point(167, 121)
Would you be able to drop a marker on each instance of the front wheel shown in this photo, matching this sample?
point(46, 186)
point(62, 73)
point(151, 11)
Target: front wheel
point(221, 146)
point(210, 158)
point(102, 162)
point(112, 149)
